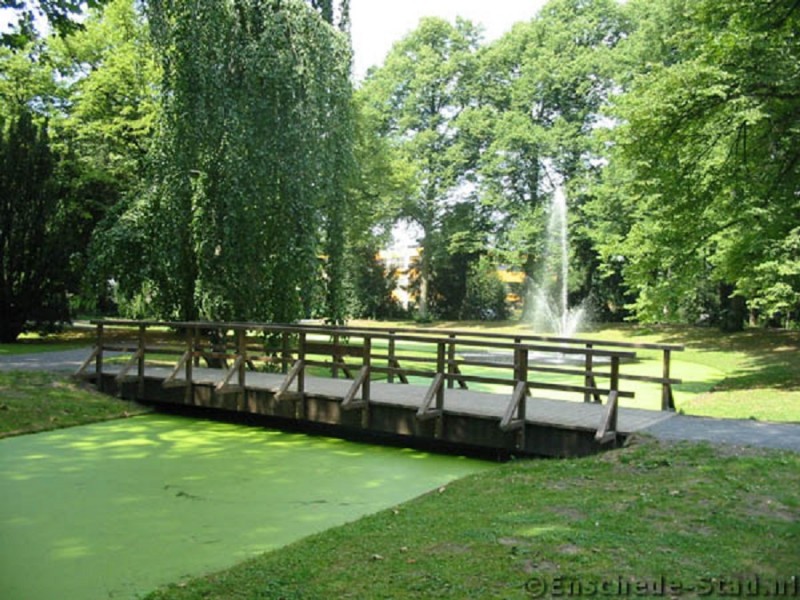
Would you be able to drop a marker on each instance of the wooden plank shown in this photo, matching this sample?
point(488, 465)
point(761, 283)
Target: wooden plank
point(123, 375)
point(81, 372)
point(297, 367)
point(172, 381)
point(607, 430)
point(425, 411)
point(334, 349)
point(349, 402)
point(224, 386)
point(509, 422)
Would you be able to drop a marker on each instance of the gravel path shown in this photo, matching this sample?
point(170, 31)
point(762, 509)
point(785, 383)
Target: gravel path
point(736, 432)
point(62, 360)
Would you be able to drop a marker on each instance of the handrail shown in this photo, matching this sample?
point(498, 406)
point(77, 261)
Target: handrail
point(224, 385)
point(419, 336)
point(301, 342)
point(81, 372)
point(441, 333)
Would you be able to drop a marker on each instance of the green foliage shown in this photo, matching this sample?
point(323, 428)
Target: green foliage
point(108, 78)
point(485, 297)
point(541, 90)
point(373, 286)
point(328, 10)
point(416, 97)
point(252, 163)
point(705, 171)
point(32, 234)
point(460, 245)
point(60, 14)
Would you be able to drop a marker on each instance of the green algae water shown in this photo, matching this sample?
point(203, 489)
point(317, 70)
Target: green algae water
point(114, 510)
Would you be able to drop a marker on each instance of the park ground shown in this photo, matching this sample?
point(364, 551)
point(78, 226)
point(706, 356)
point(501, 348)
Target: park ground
point(700, 519)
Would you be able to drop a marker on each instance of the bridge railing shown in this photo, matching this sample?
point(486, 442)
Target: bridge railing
point(665, 380)
point(446, 358)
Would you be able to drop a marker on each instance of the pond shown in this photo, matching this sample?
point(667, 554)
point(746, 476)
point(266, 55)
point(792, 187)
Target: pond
point(113, 510)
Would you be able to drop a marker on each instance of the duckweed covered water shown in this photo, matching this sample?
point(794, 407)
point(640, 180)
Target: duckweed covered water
point(113, 510)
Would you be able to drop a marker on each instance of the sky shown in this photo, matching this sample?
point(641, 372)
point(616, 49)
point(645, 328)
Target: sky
point(377, 24)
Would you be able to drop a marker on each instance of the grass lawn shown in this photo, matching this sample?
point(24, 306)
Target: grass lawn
point(696, 515)
point(758, 370)
point(34, 401)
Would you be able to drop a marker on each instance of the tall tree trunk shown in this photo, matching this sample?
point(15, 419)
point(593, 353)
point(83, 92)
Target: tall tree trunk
point(733, 309)
point(425, 279)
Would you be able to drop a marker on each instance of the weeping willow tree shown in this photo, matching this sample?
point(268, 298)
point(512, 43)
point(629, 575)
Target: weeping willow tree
point(244, 218)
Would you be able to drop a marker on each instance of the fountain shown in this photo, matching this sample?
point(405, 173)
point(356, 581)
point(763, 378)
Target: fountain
point(551, 312)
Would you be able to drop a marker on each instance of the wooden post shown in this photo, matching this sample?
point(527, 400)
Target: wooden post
point(140, 362)
point(588, 380)
point(366, 362)
point(285, 352)
point(336, 356)
point(441, 369)
point(191, 347)
point(667, 400)
point(98, 361)
point(390, 361)
point(522, 377)
point(613, 397)
point(614, 385)
point(241, 335)
point(196, 343)
point(451, 357)
point(365, 387)
point(301, 355)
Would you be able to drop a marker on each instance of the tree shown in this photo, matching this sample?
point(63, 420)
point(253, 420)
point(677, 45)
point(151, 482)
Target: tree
point(706, 164)
point(32, 265)
point(252, 164)
point(541, 90)
point(61, 15)
point(485, 297)
point(419, 92)
point(374, 286)
point(376, 197)
point(328, 11)
point(460, 243)
point(109, 82)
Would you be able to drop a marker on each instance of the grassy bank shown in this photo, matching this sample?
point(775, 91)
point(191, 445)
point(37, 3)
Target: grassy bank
point(688, 513)
point(33, 401)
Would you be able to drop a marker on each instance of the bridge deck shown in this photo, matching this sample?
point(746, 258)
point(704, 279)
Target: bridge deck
point(485, 406)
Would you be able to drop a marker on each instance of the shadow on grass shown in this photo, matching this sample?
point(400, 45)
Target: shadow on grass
point(771, 357)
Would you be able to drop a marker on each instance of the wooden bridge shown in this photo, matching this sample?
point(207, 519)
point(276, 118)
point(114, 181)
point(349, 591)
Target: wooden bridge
point(522, 394)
